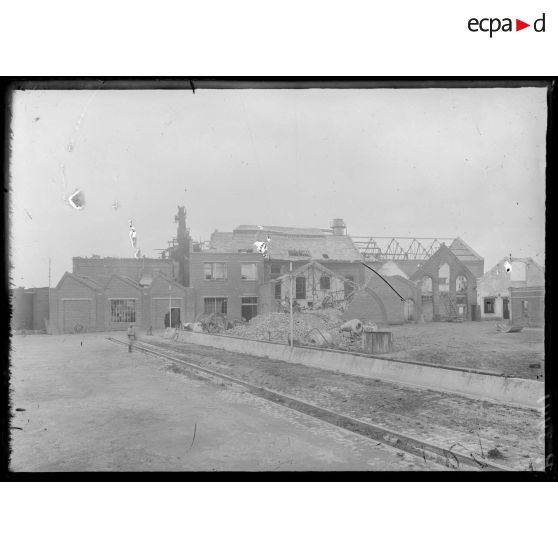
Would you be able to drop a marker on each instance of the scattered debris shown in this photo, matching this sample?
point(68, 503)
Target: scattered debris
point(495, 454)
point(354, 326)
point(115, 205)
point(508, 328)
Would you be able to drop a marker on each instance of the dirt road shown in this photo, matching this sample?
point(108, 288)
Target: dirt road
point(81, 403)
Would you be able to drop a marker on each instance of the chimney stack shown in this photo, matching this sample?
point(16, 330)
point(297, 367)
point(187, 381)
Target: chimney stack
point(338, 227)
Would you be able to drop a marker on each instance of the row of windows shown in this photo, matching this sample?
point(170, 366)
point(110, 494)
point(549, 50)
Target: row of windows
point(124, 310)
point(219, 271)
point(489, 304)
point(325, 285)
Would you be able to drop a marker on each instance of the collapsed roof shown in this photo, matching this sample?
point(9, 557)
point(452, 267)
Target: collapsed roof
point(287, 243)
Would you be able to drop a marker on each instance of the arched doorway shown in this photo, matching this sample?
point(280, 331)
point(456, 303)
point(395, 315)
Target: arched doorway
point(426, 298)
point(409, 310)
point(444, 278)
point(461, 295)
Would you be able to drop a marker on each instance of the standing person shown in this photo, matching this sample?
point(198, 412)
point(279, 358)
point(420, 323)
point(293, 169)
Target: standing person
point(131, 337)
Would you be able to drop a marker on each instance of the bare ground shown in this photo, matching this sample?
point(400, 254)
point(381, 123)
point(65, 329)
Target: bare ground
point(473, 345)
point(469, 426)
point(477, 345)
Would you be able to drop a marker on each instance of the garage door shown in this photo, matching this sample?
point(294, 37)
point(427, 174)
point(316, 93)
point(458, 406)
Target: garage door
point(160, 309)
point(76, 315)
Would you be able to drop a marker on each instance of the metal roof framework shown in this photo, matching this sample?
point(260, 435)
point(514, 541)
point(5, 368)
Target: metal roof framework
point(398, 247)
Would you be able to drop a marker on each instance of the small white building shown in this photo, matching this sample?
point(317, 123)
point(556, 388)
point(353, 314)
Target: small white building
point(493, 288)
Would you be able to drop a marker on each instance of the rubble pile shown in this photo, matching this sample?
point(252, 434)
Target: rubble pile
point(270, 327)
point(318, 328)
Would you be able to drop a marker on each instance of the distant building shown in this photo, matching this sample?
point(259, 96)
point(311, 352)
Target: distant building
point(30, 309)
point(447, 285)
point(410, 253)
point(313, 285)
point(227, 283)
point(228, 275)
point(493, 288)
point(81, 304)
point(231, 275)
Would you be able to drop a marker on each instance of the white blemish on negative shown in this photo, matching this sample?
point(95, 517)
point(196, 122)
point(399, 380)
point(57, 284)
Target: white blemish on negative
point(77, 200)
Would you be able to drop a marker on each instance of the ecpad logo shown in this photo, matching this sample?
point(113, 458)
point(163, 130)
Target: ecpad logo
point(493, 25)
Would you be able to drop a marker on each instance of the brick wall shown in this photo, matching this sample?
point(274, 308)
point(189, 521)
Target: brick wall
point(431, 268)
point(71, 292)
point(22, 309)
point(101, 269)
point(117, 289)
point(156, 302)
point(534, 314)
point(233, 288)
point(40, 308)
point(380, 304)
point(151, 304)
point(496, 284)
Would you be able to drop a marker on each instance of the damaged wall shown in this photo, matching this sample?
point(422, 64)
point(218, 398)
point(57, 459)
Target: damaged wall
point(493, 288)
point(527, 306)
point(453, 284)
point(377, 302)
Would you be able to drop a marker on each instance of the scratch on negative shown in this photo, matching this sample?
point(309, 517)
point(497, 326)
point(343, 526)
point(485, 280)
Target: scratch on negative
point(73, 137)
point(195, 426)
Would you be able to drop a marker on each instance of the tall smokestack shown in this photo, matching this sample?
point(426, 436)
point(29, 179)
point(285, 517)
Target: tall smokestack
point(181, 253)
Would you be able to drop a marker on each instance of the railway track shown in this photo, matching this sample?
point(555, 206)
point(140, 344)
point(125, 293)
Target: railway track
point(447, 457)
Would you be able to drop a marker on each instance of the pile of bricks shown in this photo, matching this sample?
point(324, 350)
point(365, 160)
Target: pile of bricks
point(270, 327)
point(276, 326)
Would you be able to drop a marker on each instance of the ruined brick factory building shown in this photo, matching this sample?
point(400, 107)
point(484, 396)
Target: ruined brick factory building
point(436, 278)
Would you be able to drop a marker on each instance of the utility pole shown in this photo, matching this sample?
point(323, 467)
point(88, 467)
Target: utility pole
point(48, 324)
point(170, 307)
point(291, 304)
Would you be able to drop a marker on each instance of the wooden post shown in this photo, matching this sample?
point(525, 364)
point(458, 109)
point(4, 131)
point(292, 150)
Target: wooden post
point(291, 304)
point(377, 342)
point(170, 306)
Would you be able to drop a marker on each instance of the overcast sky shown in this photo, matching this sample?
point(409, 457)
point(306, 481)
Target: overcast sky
point(425, 163)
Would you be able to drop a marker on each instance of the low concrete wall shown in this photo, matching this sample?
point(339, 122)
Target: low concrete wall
point(480, 385)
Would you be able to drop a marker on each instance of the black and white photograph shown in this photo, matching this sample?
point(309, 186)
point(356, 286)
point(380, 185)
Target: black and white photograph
point(277, 276)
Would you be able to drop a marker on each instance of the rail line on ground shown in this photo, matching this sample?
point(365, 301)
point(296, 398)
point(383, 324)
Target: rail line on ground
point(429, 452)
